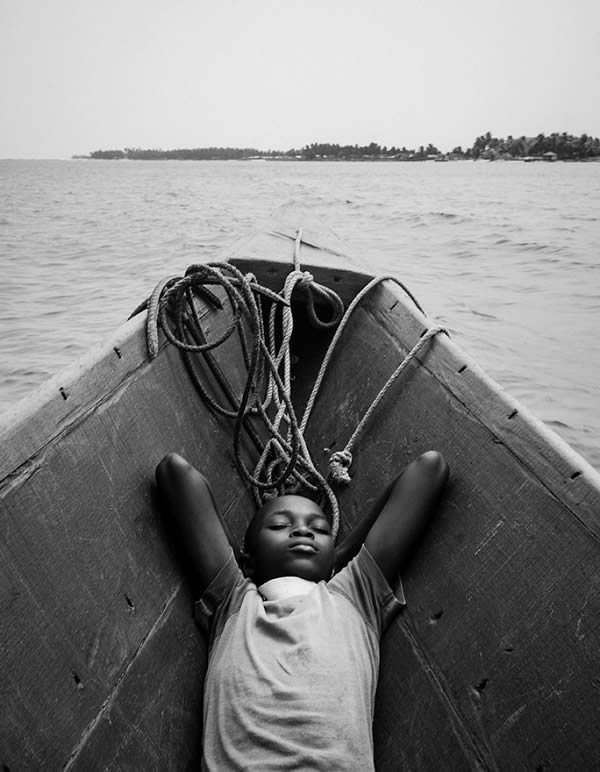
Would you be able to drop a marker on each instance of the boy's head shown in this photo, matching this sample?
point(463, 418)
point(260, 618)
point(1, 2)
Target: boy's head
point(288, 536)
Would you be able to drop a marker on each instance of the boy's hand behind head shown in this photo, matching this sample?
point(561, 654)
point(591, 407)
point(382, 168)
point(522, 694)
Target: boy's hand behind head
point(288, 536)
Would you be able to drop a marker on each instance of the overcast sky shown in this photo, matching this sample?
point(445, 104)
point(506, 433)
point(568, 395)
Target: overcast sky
point(82, 75)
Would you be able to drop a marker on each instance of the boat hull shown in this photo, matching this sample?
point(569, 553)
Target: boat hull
point(494, 663)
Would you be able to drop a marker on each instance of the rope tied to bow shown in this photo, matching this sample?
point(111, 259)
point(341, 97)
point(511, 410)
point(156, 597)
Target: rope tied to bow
point(264, 323)
point(341, 460)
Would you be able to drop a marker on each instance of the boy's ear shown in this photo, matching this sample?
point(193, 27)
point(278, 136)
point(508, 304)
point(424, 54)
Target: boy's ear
point(246, 564)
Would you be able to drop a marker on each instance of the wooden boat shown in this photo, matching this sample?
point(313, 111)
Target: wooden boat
point(494, 665)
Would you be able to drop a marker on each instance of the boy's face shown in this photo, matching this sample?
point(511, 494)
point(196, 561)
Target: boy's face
point(290, 536)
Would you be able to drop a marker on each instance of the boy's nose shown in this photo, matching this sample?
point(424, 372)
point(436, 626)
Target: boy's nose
point(302, 530)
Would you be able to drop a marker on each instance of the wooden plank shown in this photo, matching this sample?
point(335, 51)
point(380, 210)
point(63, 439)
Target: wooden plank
point(86, 571)
point(504, 595)
point(153, 720)
point(406, 705)
point(566, 473)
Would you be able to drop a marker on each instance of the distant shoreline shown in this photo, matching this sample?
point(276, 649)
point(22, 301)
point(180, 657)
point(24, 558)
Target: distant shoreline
point(339, 160)
point(554, 147)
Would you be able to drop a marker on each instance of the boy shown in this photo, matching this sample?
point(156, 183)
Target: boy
point(294, 634)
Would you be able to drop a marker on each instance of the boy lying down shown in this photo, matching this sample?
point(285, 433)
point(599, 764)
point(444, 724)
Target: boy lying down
point(294, 629)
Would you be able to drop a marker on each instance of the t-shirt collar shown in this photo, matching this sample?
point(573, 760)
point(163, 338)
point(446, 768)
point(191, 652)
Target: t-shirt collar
point(283, 587)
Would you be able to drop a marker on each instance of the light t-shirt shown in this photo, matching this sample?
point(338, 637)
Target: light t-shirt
point(291, 683)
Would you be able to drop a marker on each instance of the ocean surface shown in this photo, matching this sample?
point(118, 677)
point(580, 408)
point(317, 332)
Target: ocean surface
point(506, 255)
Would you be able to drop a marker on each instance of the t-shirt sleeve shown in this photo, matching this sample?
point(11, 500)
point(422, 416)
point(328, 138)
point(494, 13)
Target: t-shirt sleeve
point(218, 593)
point(363, 584)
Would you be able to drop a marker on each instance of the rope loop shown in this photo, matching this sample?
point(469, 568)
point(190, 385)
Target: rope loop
point(313, 288)
point(335, 303)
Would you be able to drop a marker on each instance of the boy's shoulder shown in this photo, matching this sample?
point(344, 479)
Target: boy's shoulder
point(229, 581)
point(362, 583)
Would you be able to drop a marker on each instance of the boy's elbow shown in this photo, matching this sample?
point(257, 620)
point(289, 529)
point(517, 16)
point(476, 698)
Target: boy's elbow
point(169, 467)
point(435, 465)
point(175, 472)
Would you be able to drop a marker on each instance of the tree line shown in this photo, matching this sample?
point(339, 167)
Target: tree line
point(562, 146)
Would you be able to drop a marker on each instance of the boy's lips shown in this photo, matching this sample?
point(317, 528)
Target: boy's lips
point(303, 546)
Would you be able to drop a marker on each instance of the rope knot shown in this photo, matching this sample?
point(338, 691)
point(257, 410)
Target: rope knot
point(307, 279)
point(339, 464)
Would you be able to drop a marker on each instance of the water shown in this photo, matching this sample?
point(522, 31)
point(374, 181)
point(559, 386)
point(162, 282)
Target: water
point(504, 254)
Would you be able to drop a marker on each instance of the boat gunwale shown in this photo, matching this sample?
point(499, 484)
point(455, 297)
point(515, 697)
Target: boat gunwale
point(65, 399)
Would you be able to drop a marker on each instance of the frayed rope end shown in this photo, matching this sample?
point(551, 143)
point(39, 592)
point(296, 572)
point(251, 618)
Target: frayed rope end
point(339, 464)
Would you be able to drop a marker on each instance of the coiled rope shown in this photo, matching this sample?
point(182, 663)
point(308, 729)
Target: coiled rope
point(284, 464)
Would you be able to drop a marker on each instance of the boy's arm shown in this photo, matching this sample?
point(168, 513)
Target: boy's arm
point(193, 519)
point(407, 510)
point(350, 546)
